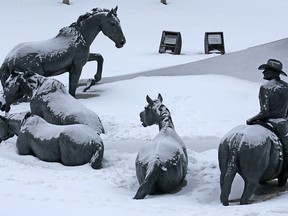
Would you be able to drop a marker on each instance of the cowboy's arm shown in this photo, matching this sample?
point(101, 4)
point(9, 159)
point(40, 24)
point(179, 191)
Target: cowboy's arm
point(264, 107)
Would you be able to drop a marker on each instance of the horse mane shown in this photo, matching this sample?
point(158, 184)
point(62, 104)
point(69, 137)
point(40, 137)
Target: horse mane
point(88, 15)
point(163, 113)
point(44, 85)
point(73, 29)
point(165, 116)
point(52, 85)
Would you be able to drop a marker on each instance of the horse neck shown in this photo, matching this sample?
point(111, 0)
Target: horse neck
point(91, 27)
point(35, 85)
point(14, 122)
point(165, 119)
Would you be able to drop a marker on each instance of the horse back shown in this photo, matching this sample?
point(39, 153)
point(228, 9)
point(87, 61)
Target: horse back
point(53, 103)
point(166, 158)
point(49, 57)
point(78, 144)
point(252, 150)
point(164, 146)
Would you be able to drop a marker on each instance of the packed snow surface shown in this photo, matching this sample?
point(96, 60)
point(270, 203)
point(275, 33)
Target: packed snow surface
point(203, 107)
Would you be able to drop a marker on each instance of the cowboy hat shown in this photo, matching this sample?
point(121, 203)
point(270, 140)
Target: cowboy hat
point(273, 64)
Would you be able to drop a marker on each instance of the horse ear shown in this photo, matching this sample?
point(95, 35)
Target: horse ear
point(110, 13)
point(160, 97)
point(149, 100)
point(115, 10)
point(27, 115)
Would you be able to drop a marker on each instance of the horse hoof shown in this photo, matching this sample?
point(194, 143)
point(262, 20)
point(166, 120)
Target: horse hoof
point(282, 180)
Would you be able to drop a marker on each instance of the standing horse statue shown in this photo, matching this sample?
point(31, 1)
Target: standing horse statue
point(161, 166)
point(255, 153)
point(71, 145)
point(68, 51)
point(49, 99)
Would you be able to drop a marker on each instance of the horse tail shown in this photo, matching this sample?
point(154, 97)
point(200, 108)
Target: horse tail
point(96, 159)
point(227, 157)
point(149, 182)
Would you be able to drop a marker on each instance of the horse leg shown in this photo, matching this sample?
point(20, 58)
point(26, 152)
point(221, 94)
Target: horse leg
point(98, 76)
point(74, 76)
point(97, 57)
point(249, 188)
point(226, 180)
point(22, 145)
point(227, 165)
point(96, 159)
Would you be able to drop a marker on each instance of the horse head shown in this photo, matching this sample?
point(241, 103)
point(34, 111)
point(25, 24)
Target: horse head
point(110, 26)
point(15, 88)
point(150, 114)
point(5, 133)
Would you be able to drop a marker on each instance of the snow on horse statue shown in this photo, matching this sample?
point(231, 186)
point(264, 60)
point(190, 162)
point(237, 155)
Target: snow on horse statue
point(71, 145)
point(68, 51)
point(48, 99)
point(161, 166)
point(255, 153)
point(10, 125)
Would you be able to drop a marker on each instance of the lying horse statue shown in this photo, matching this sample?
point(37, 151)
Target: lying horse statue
point(161, 166)
point(49, 99)
point(10, 125)
point(71, 145)
point(68, 51)
point(252, 151)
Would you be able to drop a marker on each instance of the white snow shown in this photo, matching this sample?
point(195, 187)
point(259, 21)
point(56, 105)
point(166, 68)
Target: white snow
point(40, 129)
point(164, 147)
point(252, 136)
point(60, 103)
point(50, 47)
point(203, 107)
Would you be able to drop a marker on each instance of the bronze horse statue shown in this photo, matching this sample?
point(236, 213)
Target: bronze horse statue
point(69, 51)
point(255, 153)
point(71, 145)
point(49, 99)
point(161, 166)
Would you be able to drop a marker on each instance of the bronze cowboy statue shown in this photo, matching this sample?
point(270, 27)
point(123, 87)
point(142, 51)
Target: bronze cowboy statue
point(255, 151)
point(273, 97)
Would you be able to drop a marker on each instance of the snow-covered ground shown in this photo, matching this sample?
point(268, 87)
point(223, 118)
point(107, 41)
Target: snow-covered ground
point(204, 107)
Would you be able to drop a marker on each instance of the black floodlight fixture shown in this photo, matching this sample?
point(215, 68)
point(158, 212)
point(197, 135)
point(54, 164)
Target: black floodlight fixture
point(214, 42)
point(170, 41)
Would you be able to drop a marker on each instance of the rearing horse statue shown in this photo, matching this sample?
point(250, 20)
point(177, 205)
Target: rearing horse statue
point(68, 51)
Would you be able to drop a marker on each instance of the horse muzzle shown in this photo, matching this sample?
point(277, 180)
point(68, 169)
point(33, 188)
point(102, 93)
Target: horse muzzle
point(5, 107)
point(121, 44)
point(142, 119)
